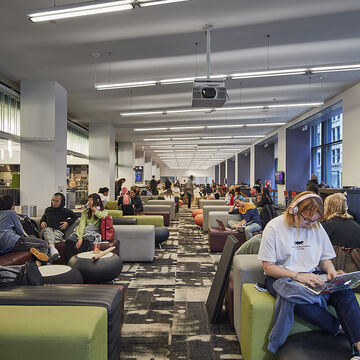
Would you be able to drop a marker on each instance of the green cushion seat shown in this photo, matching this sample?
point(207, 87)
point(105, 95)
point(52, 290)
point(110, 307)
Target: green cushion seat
point(115, 213)
point(111, 205)
point(257, 309)
point(53, 332)
point(156, 220)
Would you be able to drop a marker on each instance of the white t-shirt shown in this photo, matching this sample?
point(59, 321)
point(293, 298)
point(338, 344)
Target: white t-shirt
point(294, 249)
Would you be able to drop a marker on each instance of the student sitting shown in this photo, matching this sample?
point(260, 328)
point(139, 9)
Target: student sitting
point(250, 218)
point(339, 225)
point(265, 198)
point(124, 202)
point(88, 231)
point(54, 222)
point(12, 236)
point(168, 195)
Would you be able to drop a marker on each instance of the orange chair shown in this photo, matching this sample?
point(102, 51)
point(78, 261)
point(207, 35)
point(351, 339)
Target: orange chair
point(199, 220)
point(197, 212)
point(293, 194)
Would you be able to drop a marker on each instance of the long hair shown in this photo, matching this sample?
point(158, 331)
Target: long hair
point(266, 194)
point(6, 202)
point(308, 206)
point(335, 206)
point(96, 202)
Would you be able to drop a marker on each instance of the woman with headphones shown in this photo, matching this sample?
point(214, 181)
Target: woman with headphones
point(296, 246)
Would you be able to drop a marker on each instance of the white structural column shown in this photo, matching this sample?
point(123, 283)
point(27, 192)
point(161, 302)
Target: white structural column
point(101, 157)
point(43, 142)
point(153, 169)
point(351, 143)
point(147, 168)
point(140, 161)
point(281, 152)
point(252, 165)
point(236, 169)
point(126, 162)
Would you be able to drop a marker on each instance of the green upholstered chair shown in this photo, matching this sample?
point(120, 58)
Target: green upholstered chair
point(115, 213)
point(53, 332)
point(111, 205)
point(257, 309)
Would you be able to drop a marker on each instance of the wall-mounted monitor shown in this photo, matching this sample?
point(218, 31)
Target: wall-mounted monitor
point(280, 177)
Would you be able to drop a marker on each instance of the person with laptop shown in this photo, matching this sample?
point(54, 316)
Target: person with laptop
point(295, 246)
point(250, 218)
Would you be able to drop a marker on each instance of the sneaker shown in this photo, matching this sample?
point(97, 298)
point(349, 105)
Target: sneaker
point(355, 357)
point(54, 254)
point(39, 255)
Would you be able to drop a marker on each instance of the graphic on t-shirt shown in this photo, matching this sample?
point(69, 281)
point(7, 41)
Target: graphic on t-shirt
point(299, 245)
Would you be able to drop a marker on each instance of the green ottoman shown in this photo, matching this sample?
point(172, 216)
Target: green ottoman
point(257, 309)
point(53, 332)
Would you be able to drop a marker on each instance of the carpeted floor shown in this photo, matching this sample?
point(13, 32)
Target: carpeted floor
point(165, 313)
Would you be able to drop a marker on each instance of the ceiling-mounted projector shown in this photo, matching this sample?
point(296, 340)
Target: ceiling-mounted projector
point(209, 93)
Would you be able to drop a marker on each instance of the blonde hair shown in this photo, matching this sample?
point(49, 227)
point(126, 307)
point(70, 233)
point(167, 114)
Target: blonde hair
point(335, 206)
point(310, 206)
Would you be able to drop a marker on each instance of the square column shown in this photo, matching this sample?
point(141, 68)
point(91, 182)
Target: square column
point(43, 142)
point(101, 158)
point(126, 163)
point(147, 168)
point(282, 162)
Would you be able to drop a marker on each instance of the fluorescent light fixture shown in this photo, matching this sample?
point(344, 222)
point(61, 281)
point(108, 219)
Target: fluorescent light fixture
point(229, 108)
point(152, 129)
point(146, 3)
point(247, 136)
point(186, 138)
point(184, 145)
point(158, 139)
point(163, 151)
point(177, 81)
point(187, 127)
point(329, 68)
point(79, 9)
point(269, 73)
point(125, 85)
point(216, 137)
point(266, 124)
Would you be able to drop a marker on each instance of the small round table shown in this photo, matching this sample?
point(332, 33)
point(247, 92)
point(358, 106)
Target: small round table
point(100, 271)
point(60, 274)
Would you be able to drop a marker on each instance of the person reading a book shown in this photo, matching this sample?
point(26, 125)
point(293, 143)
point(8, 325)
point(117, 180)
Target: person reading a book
point(250, 218)
point(295, 246)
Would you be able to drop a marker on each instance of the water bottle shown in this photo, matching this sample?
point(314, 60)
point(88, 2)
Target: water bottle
point(96, 246)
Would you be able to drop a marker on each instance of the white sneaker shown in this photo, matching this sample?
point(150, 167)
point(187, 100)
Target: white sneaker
point(355, 357)
point(54, 254)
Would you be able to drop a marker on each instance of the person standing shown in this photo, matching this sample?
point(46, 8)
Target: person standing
point(189, 189)
point(153, 186)
point(167, 184)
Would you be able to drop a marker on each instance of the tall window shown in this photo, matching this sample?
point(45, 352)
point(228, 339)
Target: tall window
point(77, 140)
point(9, 114)
point(326, 148)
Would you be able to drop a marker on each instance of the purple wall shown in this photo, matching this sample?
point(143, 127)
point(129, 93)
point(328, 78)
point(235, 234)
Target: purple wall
point(243, 168)
point(231, 171)
point(298, 156)
point(216, 174)
point(222, 173)
point(265, 164)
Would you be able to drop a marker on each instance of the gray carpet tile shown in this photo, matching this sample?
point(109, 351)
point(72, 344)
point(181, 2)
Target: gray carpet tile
point(165, 312)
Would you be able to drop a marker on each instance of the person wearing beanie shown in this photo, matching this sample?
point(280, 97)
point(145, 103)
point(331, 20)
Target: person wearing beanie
point(54, 222)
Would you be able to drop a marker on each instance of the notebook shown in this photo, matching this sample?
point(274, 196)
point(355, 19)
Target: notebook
point(223, 227)
point(341, 282)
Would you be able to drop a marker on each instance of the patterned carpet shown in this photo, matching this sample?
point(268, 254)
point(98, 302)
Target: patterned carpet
point(165, 313)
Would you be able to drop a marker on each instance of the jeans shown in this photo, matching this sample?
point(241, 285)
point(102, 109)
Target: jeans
point(249, 229)
point(346, 307)
point(189, 200)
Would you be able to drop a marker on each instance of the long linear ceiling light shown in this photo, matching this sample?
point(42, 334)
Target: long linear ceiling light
point(94, 8)
point(229, 108)
point(241, 75)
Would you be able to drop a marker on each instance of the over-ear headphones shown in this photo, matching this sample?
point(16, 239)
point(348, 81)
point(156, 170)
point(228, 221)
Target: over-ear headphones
point(293, 209)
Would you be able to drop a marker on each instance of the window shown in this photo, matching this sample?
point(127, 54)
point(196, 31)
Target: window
point(9, 114)
point(77, 140)
point(326, 148)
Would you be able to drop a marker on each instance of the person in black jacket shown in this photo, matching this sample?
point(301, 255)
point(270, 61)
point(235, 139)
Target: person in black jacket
point(136, 201)
point(265, 198)
point(312, 184)
point(54, 222)
point(339, 225)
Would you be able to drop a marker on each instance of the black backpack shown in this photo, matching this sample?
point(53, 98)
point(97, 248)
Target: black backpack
point(15, 275)
point(268, 212)
point(29, 226)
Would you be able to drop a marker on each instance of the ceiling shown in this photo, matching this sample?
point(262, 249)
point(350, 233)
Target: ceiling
point(159, 42)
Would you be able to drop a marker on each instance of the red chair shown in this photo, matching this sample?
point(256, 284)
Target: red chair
point(293, 195)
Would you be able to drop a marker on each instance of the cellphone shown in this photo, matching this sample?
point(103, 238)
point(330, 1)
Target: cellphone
point(261, 288)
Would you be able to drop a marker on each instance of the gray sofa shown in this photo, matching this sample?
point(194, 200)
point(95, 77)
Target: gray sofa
point(203, 202)
point(165, 202)
point(210, 208)
point(137, 243)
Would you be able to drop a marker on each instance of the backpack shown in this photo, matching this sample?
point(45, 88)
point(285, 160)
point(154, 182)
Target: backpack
point(107, 229)
point(14, 275)
point(29, 226)
point(268, 212)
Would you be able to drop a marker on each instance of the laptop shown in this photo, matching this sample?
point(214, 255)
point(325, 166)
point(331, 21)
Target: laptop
point(341, 282)
point(223, 227)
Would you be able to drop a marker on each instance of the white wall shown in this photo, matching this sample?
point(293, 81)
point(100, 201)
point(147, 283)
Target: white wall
point(126, 161)
point(147, 171)
point(164, 171)
point(73, 160)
